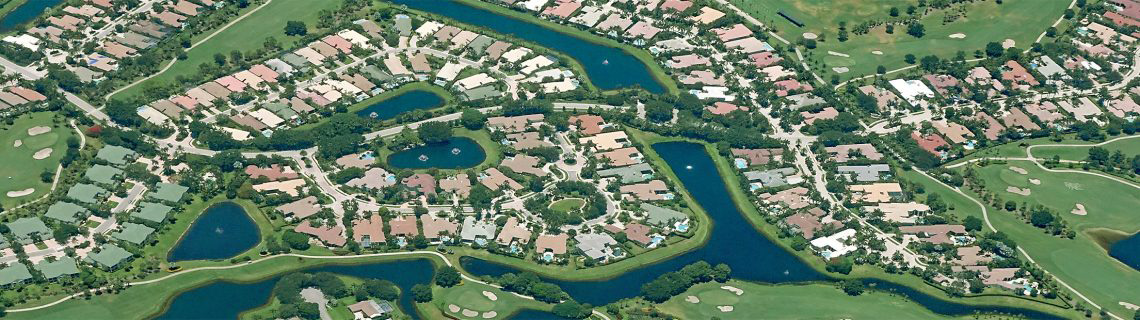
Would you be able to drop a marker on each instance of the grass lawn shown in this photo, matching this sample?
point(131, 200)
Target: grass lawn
point(247, 35)
point(1130, 147)
point(1080, 262)
point(984, 22)
point(566, 205)
point(811, 301)
point(469, 295)
point(18, 170)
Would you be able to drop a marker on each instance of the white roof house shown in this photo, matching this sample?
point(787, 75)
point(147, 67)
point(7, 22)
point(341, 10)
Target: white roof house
point(833, 246)
point(268, 118)
point(475, 81)
point(913, 91)
point(450, 70)
point(535, 63)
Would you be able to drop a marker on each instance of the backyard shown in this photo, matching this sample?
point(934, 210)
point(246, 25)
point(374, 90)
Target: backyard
point(32, 145)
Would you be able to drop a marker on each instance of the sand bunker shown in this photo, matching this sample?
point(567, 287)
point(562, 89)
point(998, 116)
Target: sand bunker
point(810, 36)
point(470, 313)
point(453, 308)
point(840, 69)
point(35, 131)
point(1129, 306)
point(732, 289)
point(1008, 43)
point(877, 53)
point(1035, 181)
point(725, 308)
point(42, 154)
point(1018, 170)
point(837, 54)
point(1080, 210)
point(490, 295)
point(692, 299)
point(490, 314)
point(1024, 192)
point(17, 143)
point(958, 36)
point(20, 193)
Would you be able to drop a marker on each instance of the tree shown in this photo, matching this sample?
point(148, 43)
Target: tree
point(472, 119)
point(910, 58)
point(894, 11)
point(930, 63)
point(994, 49)
point(435, 132)
point(296, 28)
point(1041, 218)
point(295, 240)
point(880, 69)
point(420, 242)
point(421, 293)
point(1098, 156)
point(916, 29)
point(572, 309)
point(972, 223)
point(447, 277)
point(843, 266)
point(852, 287)
point(308, 310)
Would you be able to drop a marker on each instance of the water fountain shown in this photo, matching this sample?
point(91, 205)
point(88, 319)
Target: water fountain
point(455, 151)
point(423, 157)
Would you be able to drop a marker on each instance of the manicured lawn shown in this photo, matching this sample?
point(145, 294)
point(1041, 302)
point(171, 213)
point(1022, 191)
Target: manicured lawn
point(247, 35)
point(18, 170)
point(984, 22)
point(812, 301)
point(469, 296)
point(566, 205)
point(1130, 147)
point(1080, 262)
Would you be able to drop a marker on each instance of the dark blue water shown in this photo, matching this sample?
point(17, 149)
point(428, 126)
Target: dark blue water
point(226, 300)
point(222, 232)
point(404, 102)
point(26, 13)
point(440, 155)
point(621, 71)
point(1127, 250)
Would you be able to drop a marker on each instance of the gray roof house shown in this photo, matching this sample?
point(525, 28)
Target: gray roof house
point(630, 174)
point(109, 256)
point(66, 212)
point(24, 228)
point(868, 173)
point(655, 215)
point(771, 178)
point(473, 229)
point(595, 245)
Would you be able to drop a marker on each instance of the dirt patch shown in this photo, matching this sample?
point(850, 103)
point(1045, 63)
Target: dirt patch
point(42, 154)
point(734, 290)
point(1016, 190)
point(490, 295)
point(1035, 181)
point(1080, 210)
point(725, 308)
point(1018, 170)
point(35, 131)
point(958, 36)
point(692, 299)
point(453, 308)
point(17, 143)
point(21, 193)
point(1008, 43)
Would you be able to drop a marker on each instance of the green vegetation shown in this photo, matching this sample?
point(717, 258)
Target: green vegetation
point(6, 6)
point(18, 169)
point(811, 301)
point(1130, 147)
point(470, 296)
point(567, 205)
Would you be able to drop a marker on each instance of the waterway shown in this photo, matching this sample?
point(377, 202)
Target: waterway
point(1127, 250)
point(25, 13)
point(223, 231)
point(404, 102)
point(457, 153)
point(607, 67)
point(733, 241)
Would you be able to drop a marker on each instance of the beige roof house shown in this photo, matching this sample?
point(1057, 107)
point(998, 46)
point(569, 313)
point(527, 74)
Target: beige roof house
point(607, 141)
point(875, 192)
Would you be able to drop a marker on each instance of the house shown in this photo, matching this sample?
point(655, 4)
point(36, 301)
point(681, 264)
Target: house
point(757, 157)
point(993, 127)
point(87, 193)
point(67, 212)
point(834, 245)
point(875, 192)
point(525, 164)
point(168, 192)
point(515, 123)
point(512, 231)
point(494, 179)
point(436, 228)
point(794, 198)
point(330, 235)
point(26, 230)
point(288, 186)
point(273, 172)
point(551, 243)
point(848, 152)
point(733, 32)
point(477, 231)
point(368, 231)
point(116, 155)
point(930, 142)
point(1014, 117)
point(659, 216)
point(765, 59)
point(772, 178)
point(597, 246)
point(913, 91)
point(649, 191)
point(1045, 111)
point(884, 99)
point(588, 124)
point(1015, 73)
point(109, 256)
point(723, 108)
point(404, 226)
point(421, 182)
point(955, 132)
point(133, 233)
point(708, 15)
point(152, 212)
point(936, 234)
point(369, 309)
point(15, 273)
point(620, 157)
point(899, 212)
point(809, 221)
point(639, 233)
point(606, 141)
point(867, 173)
point(629, 174)
point(824, 114)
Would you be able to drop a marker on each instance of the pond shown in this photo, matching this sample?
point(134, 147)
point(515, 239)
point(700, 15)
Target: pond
point(25, 13)
point(607, 67)
point(457, 153)
point(226, 300)
point(1127, 250)
point(222, 232)
point(404, 102)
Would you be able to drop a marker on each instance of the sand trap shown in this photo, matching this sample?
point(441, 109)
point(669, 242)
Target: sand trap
point(453, 308)
point(837, 54)
point(725, 308)
point(21, 193)
point(1080, 210)
point(810, 36)
point(1129, 306)
point(840, 69)
point(42, 154)
point(1024, 192)
point(490, 295)
point(692, 299)
point(1018, 170)
point(1035, 181)
point(470, 313)
point(17, 143)
point(958, 36)
point(490, 314)
point(877, 53)
point(1008, 43)
point(35, 131)
point(732, 289)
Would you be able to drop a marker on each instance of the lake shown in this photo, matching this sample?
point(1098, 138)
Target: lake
point(1127, 250)
point(26, 13)
point(404, 102)
point(225, 230)
point(457, 153)
point(607, 67)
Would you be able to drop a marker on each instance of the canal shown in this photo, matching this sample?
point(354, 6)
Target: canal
point(607, 67)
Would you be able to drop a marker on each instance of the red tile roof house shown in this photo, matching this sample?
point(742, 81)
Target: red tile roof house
point(27, 94)
point(329, 235)
point(368, 231)
point(723, 108)
point(339, 43)
point(825, 114)
point(1017, 74)
point(785, 87)
point(562, 8)
point(688, 60)
point(404, 225)
point(638, 233)
point(620, 157)
point(186, 8)
point(588, 124)
point(993, 127)
point(555, 244)
point(941, 82)
point(765, 59)
point(273, 172)
point(930, 142)
point(435, 227)
point(757, 157)
point(1121, 20)
point(676, 5)
point(936, 234)
point(231, 83)
point(422, 182)
point(185, 102)
point(1128, 8)
point(1017, 118)
point(169, 18)
point(731, 33)
point(264, 72)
